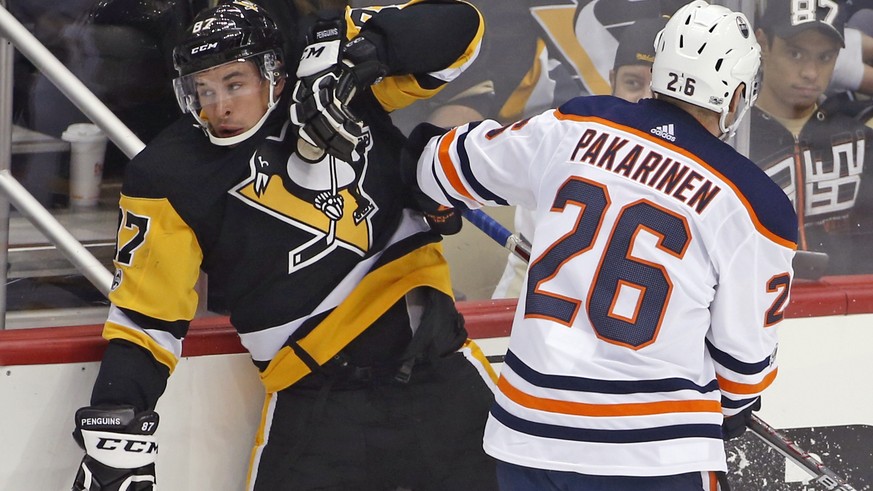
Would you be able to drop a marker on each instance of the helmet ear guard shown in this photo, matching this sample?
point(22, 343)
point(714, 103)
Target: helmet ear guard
point(702, 55)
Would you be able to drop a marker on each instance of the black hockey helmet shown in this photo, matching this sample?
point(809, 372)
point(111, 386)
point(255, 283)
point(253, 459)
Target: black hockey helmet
point(230, 31)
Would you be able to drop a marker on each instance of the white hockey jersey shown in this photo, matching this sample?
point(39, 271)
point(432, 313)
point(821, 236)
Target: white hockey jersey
point(661, 264)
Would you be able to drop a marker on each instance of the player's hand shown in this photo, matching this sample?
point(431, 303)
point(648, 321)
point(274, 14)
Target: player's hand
point(442, 219)
point(324, 120)
point(329, 76)
point(120, 449)
point(734, 426)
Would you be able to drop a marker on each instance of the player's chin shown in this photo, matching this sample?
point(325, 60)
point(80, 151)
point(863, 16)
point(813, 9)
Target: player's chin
point(805, 98)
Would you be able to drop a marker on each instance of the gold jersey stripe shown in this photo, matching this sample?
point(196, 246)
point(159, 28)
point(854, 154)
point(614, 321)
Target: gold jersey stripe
point(260, 437)
point(477, 354)
point(112, 331)
point(399, 91)
point(373, 296)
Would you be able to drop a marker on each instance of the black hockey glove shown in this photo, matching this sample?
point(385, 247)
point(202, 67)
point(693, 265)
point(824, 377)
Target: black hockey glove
point(442, 220)
point(120, 449)
point(734, 426)
point(329, 75)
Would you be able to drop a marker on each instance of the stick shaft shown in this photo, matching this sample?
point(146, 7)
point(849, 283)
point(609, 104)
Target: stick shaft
point(492, 228)
point(824, 477)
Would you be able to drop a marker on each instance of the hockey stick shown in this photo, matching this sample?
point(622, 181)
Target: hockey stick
point(822, 475)
point(319, 246)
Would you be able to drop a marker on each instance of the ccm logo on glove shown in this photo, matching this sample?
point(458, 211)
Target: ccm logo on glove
point(137, 446)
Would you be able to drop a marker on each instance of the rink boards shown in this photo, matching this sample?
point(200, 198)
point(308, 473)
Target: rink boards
point(211, 409)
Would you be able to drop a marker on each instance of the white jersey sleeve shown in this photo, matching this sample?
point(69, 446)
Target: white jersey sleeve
point(510, 165)
point(660, 267)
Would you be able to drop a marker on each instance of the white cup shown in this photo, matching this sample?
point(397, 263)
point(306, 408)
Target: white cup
point(87, 153)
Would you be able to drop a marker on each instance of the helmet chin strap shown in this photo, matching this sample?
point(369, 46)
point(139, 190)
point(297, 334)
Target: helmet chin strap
point(233, 140)
point(727, 132)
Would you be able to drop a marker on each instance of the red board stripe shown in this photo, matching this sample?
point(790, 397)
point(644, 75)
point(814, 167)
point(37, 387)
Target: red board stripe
point(484, 319)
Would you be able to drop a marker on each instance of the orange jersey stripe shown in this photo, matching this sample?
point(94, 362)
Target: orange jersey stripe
point(713, 481)
point(448, 167)
point(608, 410)
point(740, 388)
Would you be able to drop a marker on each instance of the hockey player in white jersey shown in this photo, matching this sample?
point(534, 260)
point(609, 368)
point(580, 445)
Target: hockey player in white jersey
point(646, 330)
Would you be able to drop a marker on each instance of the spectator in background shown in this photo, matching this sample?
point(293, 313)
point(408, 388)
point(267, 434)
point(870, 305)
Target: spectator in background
point(598, 26)
point(630, 79)
point(631, 74)
point(851, 86)
point(821, 158)
point(120, 50)
point(854, 69)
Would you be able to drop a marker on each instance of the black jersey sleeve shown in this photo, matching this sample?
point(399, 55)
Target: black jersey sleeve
point(424, 37)
point(426, 44)
point(129, 374)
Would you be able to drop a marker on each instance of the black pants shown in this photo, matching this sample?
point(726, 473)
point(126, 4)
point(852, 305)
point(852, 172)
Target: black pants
point(423, 435)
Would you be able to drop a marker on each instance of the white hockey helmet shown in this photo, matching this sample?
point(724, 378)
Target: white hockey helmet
point(702, 55)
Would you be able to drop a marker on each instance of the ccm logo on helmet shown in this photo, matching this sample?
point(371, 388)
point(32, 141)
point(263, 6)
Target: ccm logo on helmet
point(203, 47)
point(133, 446)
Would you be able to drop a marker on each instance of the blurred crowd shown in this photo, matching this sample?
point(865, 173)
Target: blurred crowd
point(812, 129)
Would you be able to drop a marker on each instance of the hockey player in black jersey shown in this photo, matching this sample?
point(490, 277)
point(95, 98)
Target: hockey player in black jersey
point(822, 159)
point(285, 190)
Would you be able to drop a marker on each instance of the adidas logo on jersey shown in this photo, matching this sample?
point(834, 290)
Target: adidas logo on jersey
point(665, 132)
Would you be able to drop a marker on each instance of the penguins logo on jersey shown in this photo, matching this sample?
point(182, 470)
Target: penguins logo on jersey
point(324, 199)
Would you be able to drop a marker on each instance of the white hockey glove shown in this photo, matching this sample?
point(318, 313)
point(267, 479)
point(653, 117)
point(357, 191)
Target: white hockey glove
point(329, 75)
point(120, 449)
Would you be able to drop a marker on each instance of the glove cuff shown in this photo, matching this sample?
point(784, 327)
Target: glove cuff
point(118, 437)
point(324, 47)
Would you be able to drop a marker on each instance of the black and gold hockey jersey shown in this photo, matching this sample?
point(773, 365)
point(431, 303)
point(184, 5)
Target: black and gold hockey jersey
point(303, 256)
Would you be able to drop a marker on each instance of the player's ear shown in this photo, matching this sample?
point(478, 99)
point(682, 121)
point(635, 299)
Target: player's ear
point(761, 37)
point(737, 98)
point(612, 80)
point(280, 84)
